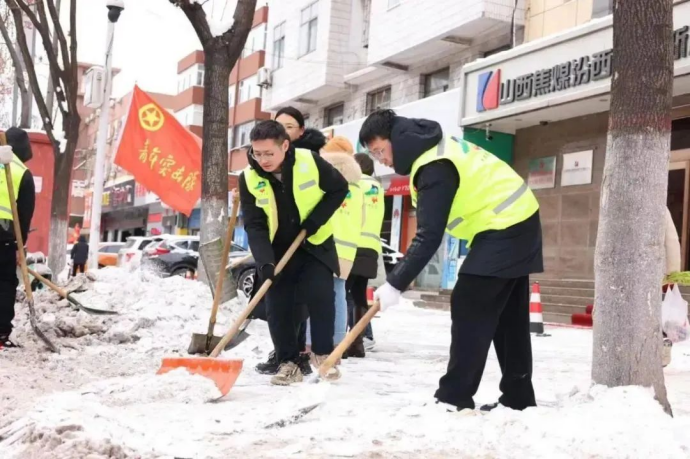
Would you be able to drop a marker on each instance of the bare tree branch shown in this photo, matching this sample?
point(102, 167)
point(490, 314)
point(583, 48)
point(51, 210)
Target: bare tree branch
point(25, 120)
point(31, 70)
point(57, 30)
point(242, 24)
point(197, 17)
point(72, 86)
point(42, 28)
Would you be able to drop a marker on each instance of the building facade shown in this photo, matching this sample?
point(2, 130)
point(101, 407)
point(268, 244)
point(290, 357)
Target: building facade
point(553, 95)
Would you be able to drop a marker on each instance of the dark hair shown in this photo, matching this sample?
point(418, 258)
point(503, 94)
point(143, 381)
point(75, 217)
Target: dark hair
point(365, 163)
point(269, 129)
point(378, 124)
point(293, 112)
point(18, 139)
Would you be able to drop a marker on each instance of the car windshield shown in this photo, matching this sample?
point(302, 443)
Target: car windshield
point(131, 242)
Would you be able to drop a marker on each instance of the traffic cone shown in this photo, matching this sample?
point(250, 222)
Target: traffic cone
point(536, 317)
point(370, 296)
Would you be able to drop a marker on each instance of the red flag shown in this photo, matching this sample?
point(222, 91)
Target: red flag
point(161, 154)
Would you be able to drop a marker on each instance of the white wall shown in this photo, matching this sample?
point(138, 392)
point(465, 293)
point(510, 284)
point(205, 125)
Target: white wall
point(414, 22)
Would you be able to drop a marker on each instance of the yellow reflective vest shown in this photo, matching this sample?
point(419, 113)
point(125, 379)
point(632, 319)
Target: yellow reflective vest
point(18, 169)
point(305, 189)
point(374, 209)
point(347, 226)
point(491, 195)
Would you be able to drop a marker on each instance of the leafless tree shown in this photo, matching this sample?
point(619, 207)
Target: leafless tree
point(629, 253)
point(9, 55)
point(63, 65)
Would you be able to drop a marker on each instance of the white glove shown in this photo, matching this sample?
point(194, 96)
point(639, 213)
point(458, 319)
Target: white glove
point(6, 154)
point(387, 296)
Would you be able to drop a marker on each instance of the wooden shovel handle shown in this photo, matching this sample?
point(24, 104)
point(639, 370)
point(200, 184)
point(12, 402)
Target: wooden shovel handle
point(224, 258)
point(18, 234)
point(259, 295)
point(61, 292)
point(357, 330)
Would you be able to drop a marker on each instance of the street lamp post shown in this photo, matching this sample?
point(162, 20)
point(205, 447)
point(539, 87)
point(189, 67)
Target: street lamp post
point(115, 7)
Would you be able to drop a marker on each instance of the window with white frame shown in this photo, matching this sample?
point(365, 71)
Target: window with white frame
point(241, 134)
point(393, 3)
point(230, 132)
point(437, 82)
point(231, 95)
point(278, 45)
point(334, 115)
point(255, 40)
point(200, 75)
point(381, 98)
point(309, 21)
point(249, 89)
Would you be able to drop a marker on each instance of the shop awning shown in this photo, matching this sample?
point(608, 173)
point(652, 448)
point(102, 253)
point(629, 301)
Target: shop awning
point(399, 186)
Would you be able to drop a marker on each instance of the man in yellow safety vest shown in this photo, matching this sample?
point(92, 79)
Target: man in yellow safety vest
point(282, 191)
point(465, 191)
point(15, 150)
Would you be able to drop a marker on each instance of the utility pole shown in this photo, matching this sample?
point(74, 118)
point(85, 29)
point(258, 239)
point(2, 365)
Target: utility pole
point(115, 8)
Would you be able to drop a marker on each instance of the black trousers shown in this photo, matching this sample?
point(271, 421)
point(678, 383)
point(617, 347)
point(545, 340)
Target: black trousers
point(305, 280)
point(8, 286)
point(486, 309)
point(80, 267)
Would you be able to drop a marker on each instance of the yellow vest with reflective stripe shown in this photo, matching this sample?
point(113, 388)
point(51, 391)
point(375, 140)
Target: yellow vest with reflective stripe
point(374, 209)
point(305, 189)
point(18, 169)
point(347, 226)
point(491, 195)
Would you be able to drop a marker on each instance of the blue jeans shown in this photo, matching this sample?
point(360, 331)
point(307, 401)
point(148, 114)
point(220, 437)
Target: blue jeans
point(340, 329)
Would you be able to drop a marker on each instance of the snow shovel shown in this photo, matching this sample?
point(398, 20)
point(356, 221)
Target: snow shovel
point(225, 372)
point(63, 293)
point(203, 343)
point(22, 260)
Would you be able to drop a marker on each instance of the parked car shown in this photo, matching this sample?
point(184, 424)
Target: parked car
point(108, 253)
point(173, 256)
point(129, 256)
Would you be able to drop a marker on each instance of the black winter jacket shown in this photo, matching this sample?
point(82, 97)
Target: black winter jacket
point(513, 252)
point(312, 139)
point(80, 252)
point(333, 185)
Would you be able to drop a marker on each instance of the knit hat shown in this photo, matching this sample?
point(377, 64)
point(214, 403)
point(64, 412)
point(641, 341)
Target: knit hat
point(18, 139)
point(339, 144)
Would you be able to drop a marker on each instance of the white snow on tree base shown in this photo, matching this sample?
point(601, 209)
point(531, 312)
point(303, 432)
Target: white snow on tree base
point(101, 398)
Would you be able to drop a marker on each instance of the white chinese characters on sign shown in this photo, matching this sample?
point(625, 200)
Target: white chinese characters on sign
point(577, 168)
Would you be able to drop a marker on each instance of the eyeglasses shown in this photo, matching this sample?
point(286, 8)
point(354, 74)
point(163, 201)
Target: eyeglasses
point(261, 156)
point(377, 154)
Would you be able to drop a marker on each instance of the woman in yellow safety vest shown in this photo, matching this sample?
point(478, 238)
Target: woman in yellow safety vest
point(467, 192)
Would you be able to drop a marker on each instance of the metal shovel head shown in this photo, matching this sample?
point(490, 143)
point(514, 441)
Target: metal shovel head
point(210, 255)
point(198, 344)
point(222, 372)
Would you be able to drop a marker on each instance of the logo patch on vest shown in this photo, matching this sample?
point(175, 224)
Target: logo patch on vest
point(374, 190)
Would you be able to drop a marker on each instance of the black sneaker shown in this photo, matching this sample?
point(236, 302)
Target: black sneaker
point(269, 367)
point(5, 343)
point(489, 407)
point(303, 364)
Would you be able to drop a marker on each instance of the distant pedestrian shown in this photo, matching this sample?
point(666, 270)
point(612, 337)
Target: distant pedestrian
point(80, 255)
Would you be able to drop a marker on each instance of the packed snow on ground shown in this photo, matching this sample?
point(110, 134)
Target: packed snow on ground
point(100, 398)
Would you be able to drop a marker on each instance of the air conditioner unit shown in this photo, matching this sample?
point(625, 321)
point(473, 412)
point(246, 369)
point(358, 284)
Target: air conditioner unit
point(264, 77)
point(94, 79)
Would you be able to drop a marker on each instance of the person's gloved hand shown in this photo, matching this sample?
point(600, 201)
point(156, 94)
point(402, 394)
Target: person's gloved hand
point(6, 154)
point(310, 227)
point(268, 271)
point(387, 296)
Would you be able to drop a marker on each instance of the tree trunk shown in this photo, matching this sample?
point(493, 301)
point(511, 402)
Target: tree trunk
point(59, 206)
point(630, 243)
point(214, 155)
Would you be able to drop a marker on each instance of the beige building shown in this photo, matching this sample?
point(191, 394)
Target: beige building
point(547, 17)
point(552, 94)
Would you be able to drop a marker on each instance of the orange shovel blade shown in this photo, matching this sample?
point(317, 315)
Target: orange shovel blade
point(222, 372)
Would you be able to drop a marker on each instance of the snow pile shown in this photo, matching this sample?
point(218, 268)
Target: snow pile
point(160, 312)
